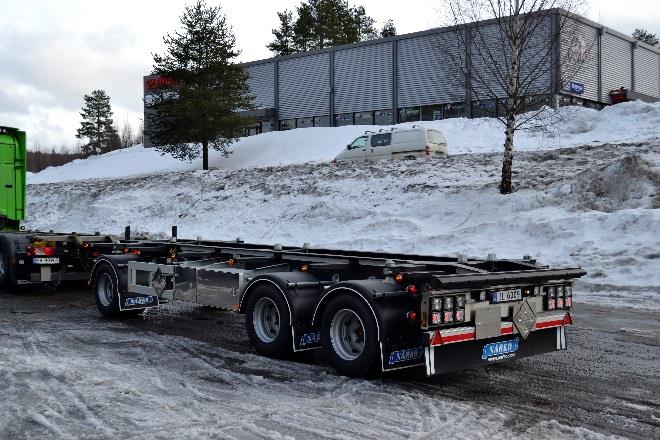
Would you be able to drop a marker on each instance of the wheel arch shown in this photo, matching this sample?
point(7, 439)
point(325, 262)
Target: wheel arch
point(352, 289)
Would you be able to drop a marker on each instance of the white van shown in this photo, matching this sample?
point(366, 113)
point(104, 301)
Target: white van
point(408, 143)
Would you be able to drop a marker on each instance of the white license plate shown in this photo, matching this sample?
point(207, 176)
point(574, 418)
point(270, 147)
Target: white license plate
point(46, 260)
point(507, 295)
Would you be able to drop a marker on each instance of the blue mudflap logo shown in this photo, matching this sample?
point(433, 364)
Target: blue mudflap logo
point(138, 301)
point(409, 354)
point(500, 350)
point(310, 338)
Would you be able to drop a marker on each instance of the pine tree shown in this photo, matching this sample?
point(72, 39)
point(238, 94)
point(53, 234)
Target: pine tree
point(304, 34)
point(364, 25)
point(323, 23)
point(646, 37)
point(201, 108)
point(97, 125)
point(389, 30)
point(283, 44)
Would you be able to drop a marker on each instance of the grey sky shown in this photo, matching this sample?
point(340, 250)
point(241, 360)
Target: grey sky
point(53, 52)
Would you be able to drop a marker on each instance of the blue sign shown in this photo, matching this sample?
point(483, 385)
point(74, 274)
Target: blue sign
point(499, 349)
point(410, 354)
point(576, 87)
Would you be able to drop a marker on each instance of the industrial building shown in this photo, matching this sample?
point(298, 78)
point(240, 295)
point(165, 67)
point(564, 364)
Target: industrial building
point(406, 77)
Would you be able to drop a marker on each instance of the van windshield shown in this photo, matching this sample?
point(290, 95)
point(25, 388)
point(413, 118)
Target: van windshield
point(435, 137)
point(358, 143)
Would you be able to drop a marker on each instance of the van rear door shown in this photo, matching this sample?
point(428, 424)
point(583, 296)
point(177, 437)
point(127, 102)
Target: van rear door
point(436, 142)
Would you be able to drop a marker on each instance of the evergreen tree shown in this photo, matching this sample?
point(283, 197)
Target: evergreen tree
point(97, 125)
point(283, 44)
point(323, 23)
point(304, 29)
point(200, 109)
point(389, 30)
point(363, 24)
point(646, 37)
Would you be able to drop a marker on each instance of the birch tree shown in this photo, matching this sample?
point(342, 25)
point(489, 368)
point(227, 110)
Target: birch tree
point(506, 52)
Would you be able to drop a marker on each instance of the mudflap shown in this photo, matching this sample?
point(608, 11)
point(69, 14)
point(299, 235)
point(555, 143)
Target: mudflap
point(402, 354)
point(137, 301)
point(472, 354)
point(305, 337)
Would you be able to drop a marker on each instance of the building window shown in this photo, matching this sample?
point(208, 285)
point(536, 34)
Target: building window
point(305, 122)
point(266, 126)
point(409, 114)
point(287, 124)
point(383, 117)
point(432, 113)
point(344, 119)
point(322, 121)
point(364, 118)
point(486, 108)
point(455, 110)
point(536, 102)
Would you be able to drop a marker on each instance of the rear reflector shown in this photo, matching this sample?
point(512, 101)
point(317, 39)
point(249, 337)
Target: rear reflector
point(567, 319)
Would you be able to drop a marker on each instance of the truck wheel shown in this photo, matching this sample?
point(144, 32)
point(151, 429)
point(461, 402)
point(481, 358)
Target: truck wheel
point(4, 267)
point(267, 322)
point(106, 294)
point(350, 335)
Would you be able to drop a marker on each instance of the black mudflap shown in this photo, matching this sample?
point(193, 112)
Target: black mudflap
point(402, 354)
point(137, 301)
point(472, 354)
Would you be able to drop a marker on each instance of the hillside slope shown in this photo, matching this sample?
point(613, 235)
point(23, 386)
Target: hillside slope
point(594, 206)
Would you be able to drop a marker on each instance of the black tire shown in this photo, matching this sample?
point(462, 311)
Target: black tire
point(106, 294)
point(343, 355)
point(268, 323)
point(5, 268)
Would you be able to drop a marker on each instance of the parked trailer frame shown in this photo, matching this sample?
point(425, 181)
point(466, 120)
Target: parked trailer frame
point(367, 310)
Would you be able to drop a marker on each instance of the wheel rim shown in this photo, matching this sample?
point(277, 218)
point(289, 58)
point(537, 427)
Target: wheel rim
point(347, 334)
point(266, 320)
point(104, 290)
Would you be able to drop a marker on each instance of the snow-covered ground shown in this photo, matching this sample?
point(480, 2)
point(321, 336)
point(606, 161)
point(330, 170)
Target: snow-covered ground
point(627, 122)
point(588, 196)
point(591, 206)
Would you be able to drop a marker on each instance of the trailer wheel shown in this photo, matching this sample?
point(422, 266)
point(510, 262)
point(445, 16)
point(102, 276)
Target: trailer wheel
point(267, 322)
point(106, 294)
point(350, 335)
point(4, 267)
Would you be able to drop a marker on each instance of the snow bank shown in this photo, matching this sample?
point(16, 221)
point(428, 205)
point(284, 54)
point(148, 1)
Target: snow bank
point(590, 206)
point(627, 122)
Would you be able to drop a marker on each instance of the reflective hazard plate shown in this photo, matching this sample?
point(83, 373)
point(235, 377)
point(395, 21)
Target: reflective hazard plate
point(46, 260)
point(500, 350)
point(507, 295)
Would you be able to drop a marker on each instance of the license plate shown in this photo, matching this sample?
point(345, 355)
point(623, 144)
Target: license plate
point(507, 295)
point(46, 260)
point(500, 350)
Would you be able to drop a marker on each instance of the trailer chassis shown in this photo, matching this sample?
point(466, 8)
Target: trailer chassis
point(366, 310)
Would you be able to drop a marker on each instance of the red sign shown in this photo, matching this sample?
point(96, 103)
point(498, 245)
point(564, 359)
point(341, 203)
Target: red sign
point(158, 82)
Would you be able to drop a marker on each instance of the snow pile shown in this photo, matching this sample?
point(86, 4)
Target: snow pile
point(591, 206)
point(571, 126)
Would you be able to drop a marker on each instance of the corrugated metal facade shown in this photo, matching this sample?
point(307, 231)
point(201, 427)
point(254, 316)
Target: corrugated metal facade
point(361, 69)
point(579, 57)
point(424, 76)
point(488, 79)
point(304, 89)
point(262, 84)
point(616, 64)
point(647, 71)
point(426, 68)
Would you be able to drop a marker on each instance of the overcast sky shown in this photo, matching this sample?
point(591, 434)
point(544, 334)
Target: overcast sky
point(54, 52)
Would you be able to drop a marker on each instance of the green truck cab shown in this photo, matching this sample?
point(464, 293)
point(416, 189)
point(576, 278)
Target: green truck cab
point(13, 157)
